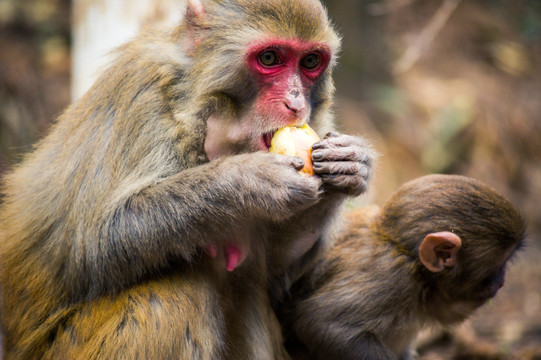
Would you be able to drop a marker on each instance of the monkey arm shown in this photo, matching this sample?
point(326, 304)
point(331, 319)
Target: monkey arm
point(144, 230)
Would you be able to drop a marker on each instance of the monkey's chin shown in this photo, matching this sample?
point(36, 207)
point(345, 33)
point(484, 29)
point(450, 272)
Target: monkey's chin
point(458, 312)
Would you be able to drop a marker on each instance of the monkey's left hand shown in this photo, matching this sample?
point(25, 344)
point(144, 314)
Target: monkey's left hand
point(344, 163)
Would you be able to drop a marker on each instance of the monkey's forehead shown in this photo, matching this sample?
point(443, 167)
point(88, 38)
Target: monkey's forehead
point(245, 20)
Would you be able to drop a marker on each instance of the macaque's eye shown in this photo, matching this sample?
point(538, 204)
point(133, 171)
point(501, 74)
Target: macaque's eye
point(269, 58)
point(310, 61)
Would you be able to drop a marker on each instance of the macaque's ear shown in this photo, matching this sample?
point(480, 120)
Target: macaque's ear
point(194, 19)
point(438, 250)
point(194, 10)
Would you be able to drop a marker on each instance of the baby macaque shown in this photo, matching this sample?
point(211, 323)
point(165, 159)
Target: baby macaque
point(435, 252)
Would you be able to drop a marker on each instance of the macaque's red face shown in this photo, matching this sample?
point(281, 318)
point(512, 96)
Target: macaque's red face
point(286, 71)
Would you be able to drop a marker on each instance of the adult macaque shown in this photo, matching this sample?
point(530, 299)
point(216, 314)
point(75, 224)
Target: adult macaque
point(435, 252)
point(107, 226)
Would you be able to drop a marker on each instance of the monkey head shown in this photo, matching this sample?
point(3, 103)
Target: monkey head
point(262, 66)
point(461, 234)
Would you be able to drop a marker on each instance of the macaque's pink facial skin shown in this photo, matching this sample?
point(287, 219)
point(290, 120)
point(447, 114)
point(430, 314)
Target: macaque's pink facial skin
point(286, 70)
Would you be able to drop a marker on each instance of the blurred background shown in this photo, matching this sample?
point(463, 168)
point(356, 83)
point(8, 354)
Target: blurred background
point(438, 86)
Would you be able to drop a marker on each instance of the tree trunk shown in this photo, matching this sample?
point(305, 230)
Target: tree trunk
point(99, 26)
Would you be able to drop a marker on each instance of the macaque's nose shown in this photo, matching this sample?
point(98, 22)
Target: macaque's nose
point(295, 102)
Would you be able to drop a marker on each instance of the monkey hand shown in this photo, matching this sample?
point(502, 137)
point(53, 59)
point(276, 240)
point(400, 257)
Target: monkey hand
point(271, 186)
point(344, 163)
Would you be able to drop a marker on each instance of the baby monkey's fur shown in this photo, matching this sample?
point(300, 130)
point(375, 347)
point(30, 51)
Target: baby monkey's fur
point(435, 252)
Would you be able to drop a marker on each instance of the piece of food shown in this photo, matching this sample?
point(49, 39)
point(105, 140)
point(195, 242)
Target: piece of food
point(296, 141)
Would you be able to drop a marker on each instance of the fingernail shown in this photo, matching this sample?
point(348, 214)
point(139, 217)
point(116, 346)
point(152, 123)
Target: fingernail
point(298, 163)
point(317, 155)
point(332, 134)
point(317, 166)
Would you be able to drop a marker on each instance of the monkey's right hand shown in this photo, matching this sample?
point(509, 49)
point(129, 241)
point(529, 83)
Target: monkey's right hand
point(270, 185)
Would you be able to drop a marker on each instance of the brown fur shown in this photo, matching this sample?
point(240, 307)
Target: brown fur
point(371, 295)
point(104, 225)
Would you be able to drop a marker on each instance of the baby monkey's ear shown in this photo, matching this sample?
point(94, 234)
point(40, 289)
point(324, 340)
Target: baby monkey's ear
point(439, 250)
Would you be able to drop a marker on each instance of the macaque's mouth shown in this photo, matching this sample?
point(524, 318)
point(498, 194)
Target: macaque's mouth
point(267, 137)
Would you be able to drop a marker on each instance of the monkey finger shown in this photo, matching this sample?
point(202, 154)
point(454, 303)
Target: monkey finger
point(350, 153)
point(347, 184)
point(304, 192)
point(322, 143)
point(340, 168)
point(297, 162)
point(340, 140)
point(331, 134)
